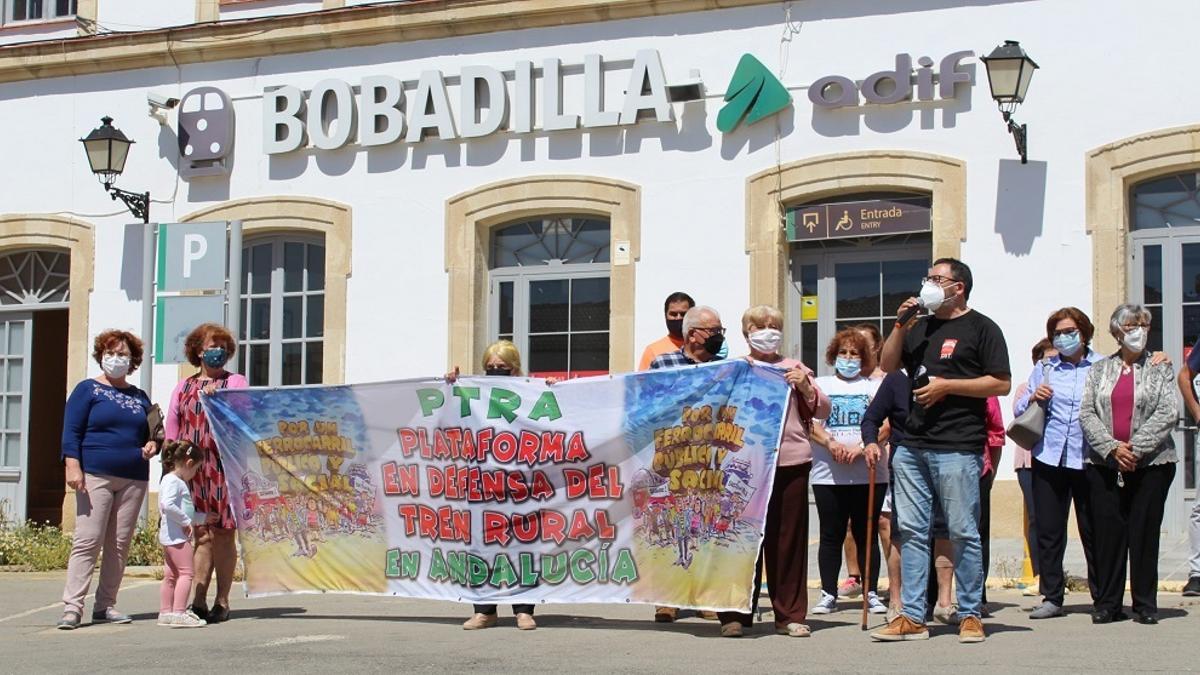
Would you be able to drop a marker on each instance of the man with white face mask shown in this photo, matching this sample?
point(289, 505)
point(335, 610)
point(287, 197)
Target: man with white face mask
point(956, 358)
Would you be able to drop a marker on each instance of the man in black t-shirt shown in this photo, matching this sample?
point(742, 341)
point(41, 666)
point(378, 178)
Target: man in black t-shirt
point(956, 358)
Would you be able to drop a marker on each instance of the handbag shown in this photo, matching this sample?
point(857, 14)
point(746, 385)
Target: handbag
point(154, 421)
point(1027, 429)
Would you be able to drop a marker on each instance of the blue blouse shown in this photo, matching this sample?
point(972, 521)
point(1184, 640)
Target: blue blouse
point(105, 428)
point(1062, 444)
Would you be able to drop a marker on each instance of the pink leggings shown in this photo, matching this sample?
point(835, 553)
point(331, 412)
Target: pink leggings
point(177, 579)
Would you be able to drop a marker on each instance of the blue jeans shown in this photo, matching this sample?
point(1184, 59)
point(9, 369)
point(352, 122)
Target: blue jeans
point(949, 478)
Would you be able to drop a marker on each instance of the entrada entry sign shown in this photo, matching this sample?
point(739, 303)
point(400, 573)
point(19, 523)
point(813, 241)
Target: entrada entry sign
point(856, 219)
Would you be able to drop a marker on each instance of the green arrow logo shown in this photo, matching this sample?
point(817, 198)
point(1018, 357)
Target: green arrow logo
point(753, 93)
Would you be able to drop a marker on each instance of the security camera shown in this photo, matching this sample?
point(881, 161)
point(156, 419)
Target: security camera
point(160, 102)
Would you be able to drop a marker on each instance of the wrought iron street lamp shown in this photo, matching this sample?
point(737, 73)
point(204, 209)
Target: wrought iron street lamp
point(107, 149)
point(1009, 71)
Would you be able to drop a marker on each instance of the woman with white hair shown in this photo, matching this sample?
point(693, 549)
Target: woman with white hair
point(1127, 415)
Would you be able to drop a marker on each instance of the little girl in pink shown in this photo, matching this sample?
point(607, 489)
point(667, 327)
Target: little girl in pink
point(181, 460)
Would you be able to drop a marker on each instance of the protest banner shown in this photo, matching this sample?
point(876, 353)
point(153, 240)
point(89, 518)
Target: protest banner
point(649, 487)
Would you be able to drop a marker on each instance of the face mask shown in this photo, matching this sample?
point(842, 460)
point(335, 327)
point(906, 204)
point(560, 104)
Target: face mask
point(114, 367)
point(848, 368)
point(675, 328)
point(932, 296)
point(766, 341)
point(502, 370)
point(1068, 344)
point(1135, 339)
point(215, 357)
point(712, 344)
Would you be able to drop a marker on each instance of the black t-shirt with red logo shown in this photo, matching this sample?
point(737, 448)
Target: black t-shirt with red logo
point(963, 348)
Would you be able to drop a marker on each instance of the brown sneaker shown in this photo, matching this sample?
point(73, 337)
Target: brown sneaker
point(526, 622)
point(971, 630)
point(665, 614)
point(480, 621)
point(707, 614)
point(732, 629)
point(900, 629)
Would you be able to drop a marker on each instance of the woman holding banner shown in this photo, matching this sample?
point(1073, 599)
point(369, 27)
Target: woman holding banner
point(501, 358)
point(208, 347)
point(785, 535)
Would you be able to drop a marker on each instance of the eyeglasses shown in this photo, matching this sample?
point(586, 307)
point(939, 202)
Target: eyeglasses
point(1065, 331)
point(1131, 326)
point(939, 279)
point(711, 331)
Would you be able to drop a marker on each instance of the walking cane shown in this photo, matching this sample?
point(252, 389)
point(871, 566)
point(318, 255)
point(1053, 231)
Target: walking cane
point(870, 540)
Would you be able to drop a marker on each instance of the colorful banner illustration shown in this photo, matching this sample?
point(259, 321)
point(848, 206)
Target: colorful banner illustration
point(649, 487)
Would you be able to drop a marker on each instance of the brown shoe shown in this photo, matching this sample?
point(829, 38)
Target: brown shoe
point(707, 614)
point(971, 630)
point(900, 629)
point(526, 622)
point(732, 629)
point(665, 614)
point(480, 621)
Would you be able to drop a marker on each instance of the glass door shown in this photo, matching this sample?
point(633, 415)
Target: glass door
point(1165, 277)
point(16, 345)
point(558, 320)
point(833, 289)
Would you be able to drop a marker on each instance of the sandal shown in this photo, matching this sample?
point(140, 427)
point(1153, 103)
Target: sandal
point(218, 614)
point(200, 611)
point(793, 629)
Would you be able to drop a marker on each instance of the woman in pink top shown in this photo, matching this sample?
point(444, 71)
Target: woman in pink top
point(208, 347)
point(785, 538)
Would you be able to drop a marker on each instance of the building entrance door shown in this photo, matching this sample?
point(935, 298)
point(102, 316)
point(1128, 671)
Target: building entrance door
point(1165, 277)
point(834, 286)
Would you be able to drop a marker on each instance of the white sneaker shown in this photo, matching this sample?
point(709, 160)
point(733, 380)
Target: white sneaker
point(188, 620)
point(166, 619)
point(875, 605)
point(826, 604)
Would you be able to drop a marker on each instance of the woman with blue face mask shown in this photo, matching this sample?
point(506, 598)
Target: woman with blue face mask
point(1057, 384)
point(208, 347)
point(839, 475)
point(1058, 479)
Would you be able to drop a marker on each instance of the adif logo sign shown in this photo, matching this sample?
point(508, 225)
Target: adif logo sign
point(893, 86)
point(386, 109)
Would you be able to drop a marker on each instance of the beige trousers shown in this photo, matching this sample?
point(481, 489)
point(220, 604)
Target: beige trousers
point(105, 517)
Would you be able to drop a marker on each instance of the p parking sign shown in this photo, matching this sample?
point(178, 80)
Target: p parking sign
point(191, 257)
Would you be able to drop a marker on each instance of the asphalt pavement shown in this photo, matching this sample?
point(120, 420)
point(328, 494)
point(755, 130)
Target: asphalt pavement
point(330, 633)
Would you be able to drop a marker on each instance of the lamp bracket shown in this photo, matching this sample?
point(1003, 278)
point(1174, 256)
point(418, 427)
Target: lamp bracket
point(138, 203)
point(1019, 133)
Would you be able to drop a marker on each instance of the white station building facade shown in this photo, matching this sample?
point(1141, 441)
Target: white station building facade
point(412, 180)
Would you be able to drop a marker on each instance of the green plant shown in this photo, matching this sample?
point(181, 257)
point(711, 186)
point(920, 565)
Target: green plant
point(36, 546)
point(144, 549)
point(1008, 569)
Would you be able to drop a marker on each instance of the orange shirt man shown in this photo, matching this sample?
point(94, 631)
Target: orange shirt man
point(676, 305)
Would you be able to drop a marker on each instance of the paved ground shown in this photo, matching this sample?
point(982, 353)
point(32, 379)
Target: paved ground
point(342, 634)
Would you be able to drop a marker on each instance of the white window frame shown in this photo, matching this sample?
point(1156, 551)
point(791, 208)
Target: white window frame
point(826, 261)
point(521, 278)
point(276, 294)
point(50, 13)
